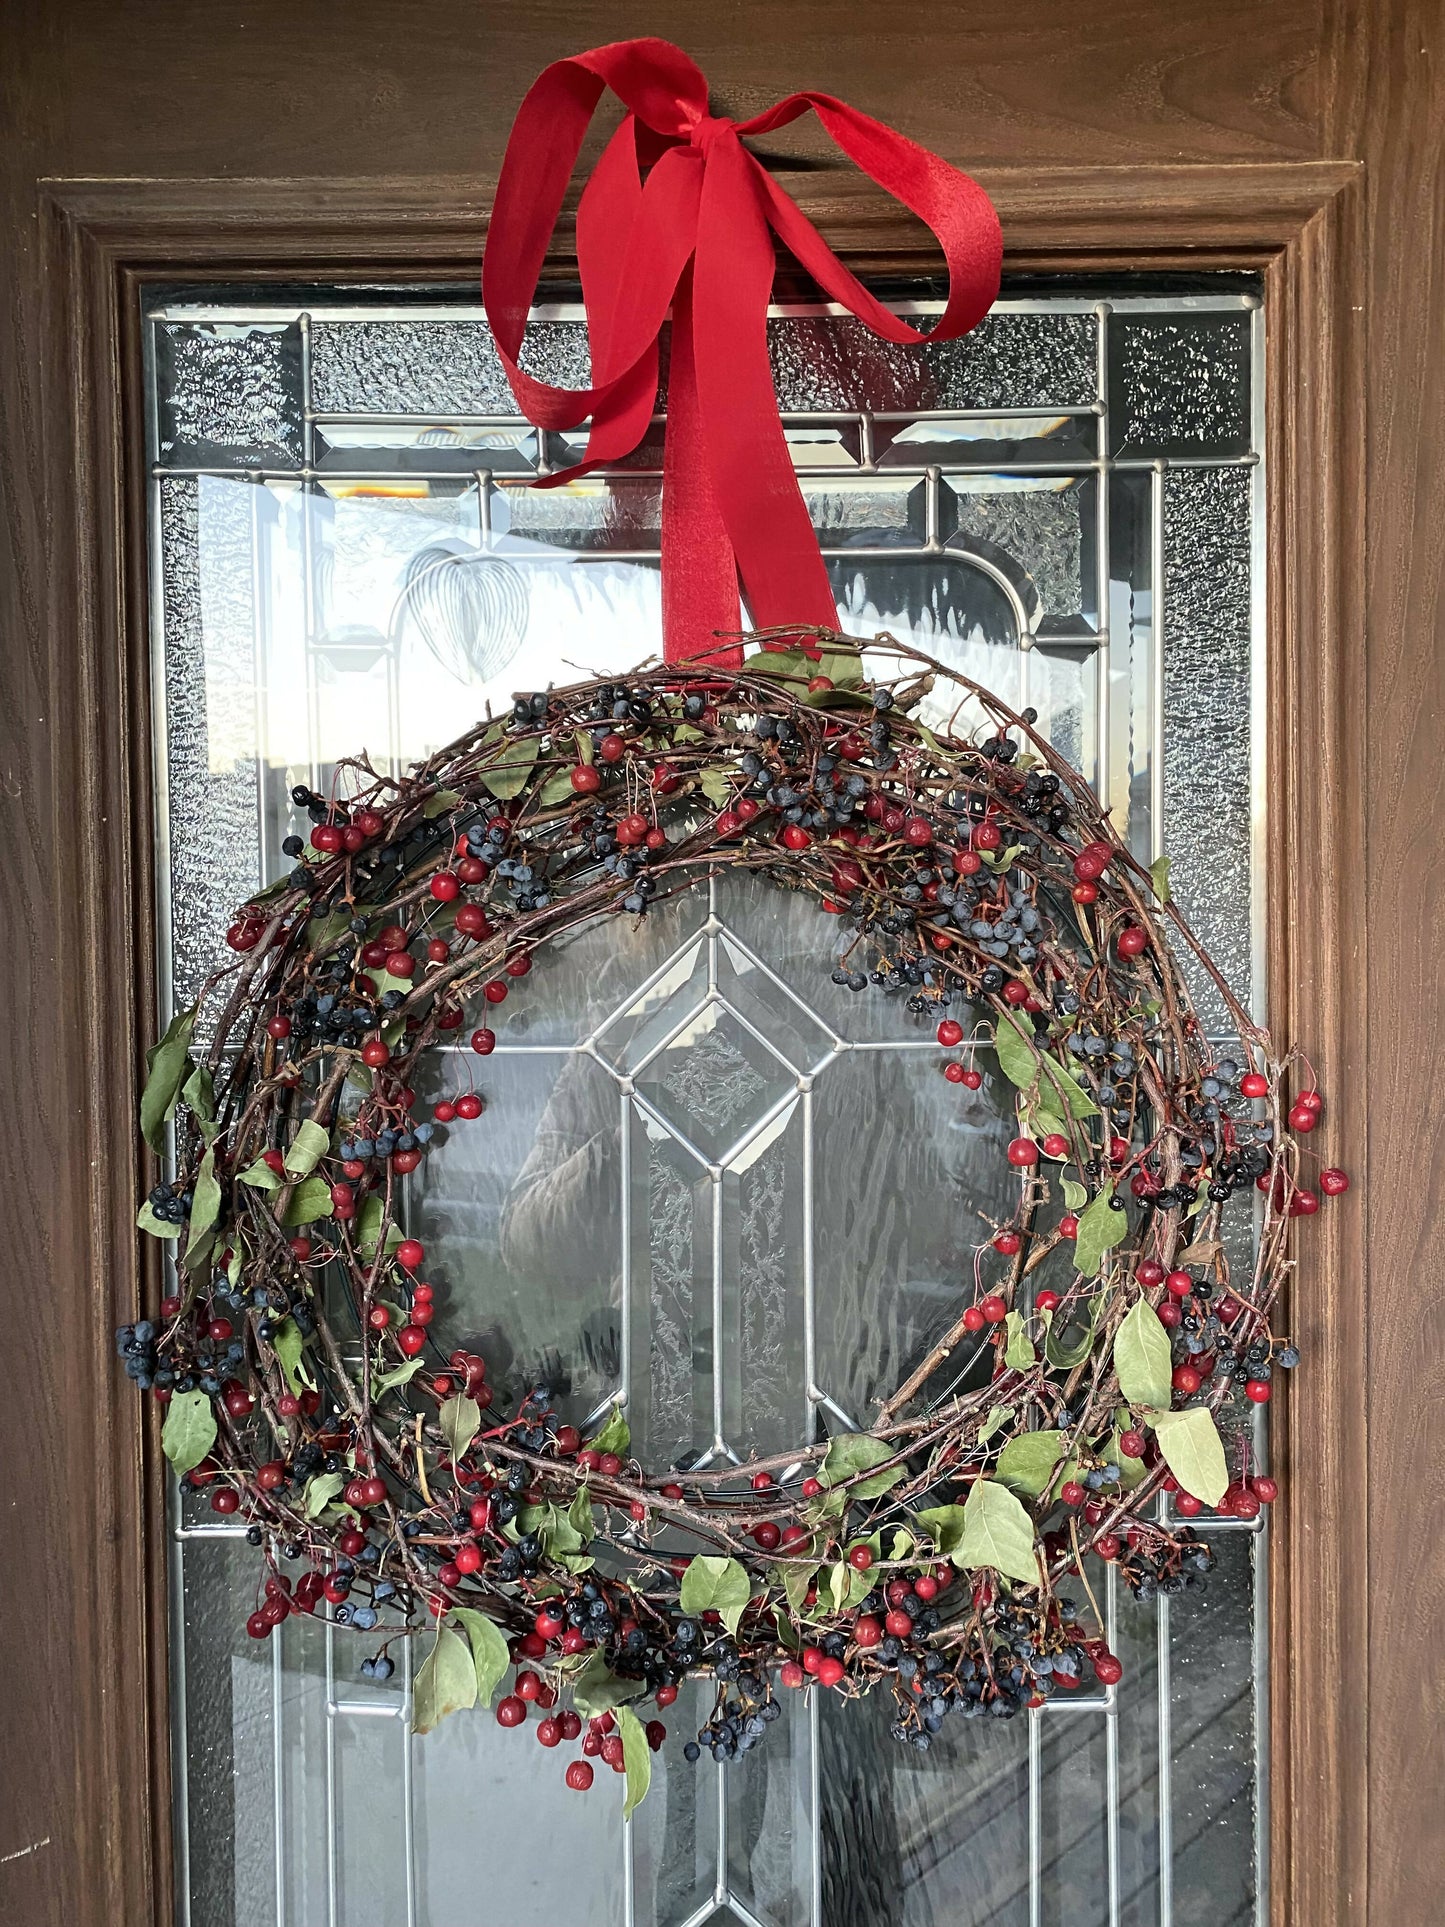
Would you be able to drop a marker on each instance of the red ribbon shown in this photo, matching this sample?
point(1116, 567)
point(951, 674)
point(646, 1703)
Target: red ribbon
point(693, 234)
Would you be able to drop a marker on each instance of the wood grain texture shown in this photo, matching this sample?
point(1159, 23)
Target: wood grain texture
point(1245, 132)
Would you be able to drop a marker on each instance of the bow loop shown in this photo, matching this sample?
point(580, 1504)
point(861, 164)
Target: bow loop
point(656, 233)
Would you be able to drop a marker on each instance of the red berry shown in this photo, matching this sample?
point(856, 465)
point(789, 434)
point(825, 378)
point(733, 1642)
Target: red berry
point(762, 1481)
point(446, 887)
point(1007, 1242)
point(1302, 1118)
point(811, 1488)
point(1258, 1390)
point(994, 1309)
point(528, 1686)
point(258, 1626)
point(899, 1624)
point(549, 1732)
point(1312, 1101)
point(860, 1558)
point(656, 1733)
point(1179, 1284)
point(472, 921)
point(519, 966)
point(223, 1499)
point(1149, 1273)
point(1187, 1506)
point(1108, 1670)
point(954, 1072)
point(1186, 1380)
point(1055, 1145)
point(967, 863)
point(1264, 1489)
point(1071, 1492)
point(867, 1630)
point(1085, 892)
point(410, 1254)
point(972, 1079)
point(1023, 1152)
point(950, 1033)
point(918, 831)
point(1334, 1182)
point(1254, 1085)
point(1303, 1204)
point(795, 837)
point(1108, 1545)
point(586, 779)
point(1068, 1225)
point(579, 1775)
point(1047, 1301)
point(973, 1319)
point(1170, 1313)
point(768, 1535)
point(444, 1112)
point(410, 1340)
point(830, 1671)
point(1131, 1444)
point(511, 1711)
point(791, 1674)
point(1133, 941)
point(495, 991)
point(987, 836)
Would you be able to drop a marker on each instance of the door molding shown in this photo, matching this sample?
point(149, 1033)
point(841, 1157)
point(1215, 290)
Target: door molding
point(1299, 224)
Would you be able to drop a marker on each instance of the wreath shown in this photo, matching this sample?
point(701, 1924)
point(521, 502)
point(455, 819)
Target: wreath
point(971, 880)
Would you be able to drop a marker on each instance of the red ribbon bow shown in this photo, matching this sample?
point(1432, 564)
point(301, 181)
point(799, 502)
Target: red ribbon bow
point(695, 236)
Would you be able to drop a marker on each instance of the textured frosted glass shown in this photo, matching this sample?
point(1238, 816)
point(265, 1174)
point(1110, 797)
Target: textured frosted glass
point(210, 692)
point(576, 1236)
point(420, 367)
point(1180, 384)
point(230, 392)
point(1038, 530)
point(1009, 361)
point(1207, 716)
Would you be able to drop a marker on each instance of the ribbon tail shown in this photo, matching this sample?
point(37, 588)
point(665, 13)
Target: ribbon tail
point(699, 576)
point(784, 576)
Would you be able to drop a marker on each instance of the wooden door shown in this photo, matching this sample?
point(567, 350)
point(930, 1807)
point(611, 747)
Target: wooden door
point(153, 148)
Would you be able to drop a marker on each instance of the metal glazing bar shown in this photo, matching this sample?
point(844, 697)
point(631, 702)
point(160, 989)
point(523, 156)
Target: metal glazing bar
point(624, 1213)
point(1111, 1747)
point(464, 309)
point(1103, 660)
point(817, 477)
point(719, 1438)
point(278, 1771)
point(1165, 1730)
point(1156, 661)
point(810, 1277)
point(332, 1868)
point(408, 1786)
point(180, 1751)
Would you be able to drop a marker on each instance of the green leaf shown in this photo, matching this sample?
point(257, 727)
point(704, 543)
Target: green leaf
point(579, 1514)
point(157, 1227)
point(205, 1206)
point(788, 665)
point(843, 666)
point(559, 1535)
point(1067, 1356)
point(261, 1175)
point(368, 1229)
point(199, 1096)
point(715, 1585)
point(1142, 1356)
point(1075, 1195)
point(1017, 1058)
point(716, 785)
point(446, 1682)
point(189, 1431)
point(460, 1419)
point(597, 1689)
point(636, 1760)
point(401, 1375)
point(848, 1585)
point(322, 932)
point(1029, 1462)
point(443, 800)
point(238, 1260)
point(853, 1452)
point(166, 1065)
point(1194, 1452)
point(944, 1525)
point(308, 1147)
point(1025, 1065)
point(287, 1345)
point(309, 1201)
point(321, 1490)
point(1019, 1354)
point(1159, 877)
point(615, 1435)
point(795, 1581)
point(1101, 1227)
point(997, 1532)
point(557, 789)
point(490, 1658)
point(997, 1415)
point(507, 777)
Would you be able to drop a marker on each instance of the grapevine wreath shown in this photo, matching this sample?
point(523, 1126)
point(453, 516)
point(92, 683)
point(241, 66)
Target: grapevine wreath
point(972, 882)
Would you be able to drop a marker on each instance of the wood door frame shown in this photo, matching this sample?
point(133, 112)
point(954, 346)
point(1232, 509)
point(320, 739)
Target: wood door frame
point(103, 241)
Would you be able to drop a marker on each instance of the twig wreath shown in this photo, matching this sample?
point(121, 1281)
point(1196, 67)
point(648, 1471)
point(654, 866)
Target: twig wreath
point(979, 886)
